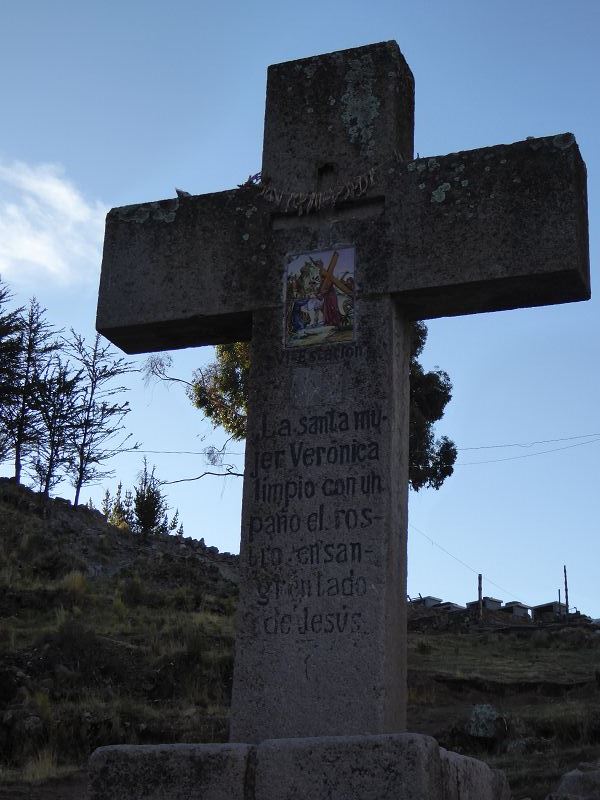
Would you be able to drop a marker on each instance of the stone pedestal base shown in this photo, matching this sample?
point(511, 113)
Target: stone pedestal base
point(388, 767)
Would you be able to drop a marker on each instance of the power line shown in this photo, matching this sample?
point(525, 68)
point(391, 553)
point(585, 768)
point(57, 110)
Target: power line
point(530, 444)
point(525, 455)
point(590, 436)
point(181, 452)
point(460, 561)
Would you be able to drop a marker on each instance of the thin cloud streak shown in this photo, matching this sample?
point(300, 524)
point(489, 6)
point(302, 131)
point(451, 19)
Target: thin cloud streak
point(48, 230)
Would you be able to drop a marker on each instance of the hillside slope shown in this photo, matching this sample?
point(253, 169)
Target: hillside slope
point(107, 638)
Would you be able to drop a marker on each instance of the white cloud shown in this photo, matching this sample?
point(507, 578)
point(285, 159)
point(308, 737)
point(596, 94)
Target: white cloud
point(48, 230)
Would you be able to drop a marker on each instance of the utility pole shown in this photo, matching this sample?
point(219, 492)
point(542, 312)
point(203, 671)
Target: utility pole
point(480, 596)
point(566, 593)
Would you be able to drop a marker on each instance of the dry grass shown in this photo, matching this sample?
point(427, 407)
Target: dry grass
point(75, 584)
point(41, 767)
point(537, 657)
point(127, 657)
point(424, 695)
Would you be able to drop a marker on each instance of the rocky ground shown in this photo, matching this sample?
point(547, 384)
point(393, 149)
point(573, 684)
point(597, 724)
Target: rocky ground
point(107, 638)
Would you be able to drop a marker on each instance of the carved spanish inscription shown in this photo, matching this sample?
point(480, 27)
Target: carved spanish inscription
point(316, 490)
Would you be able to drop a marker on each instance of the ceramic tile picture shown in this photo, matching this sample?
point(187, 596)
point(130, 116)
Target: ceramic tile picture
point(319, 297)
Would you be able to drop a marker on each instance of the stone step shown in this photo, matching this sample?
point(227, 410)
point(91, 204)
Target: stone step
point(385, 767)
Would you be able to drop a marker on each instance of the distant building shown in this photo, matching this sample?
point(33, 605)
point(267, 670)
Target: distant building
point(516, 609)
point(426, 602)
point(447, 606)
point(549, 612)
point(489, 603)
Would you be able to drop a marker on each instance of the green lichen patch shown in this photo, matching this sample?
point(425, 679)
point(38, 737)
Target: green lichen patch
point(360, 104)
point(439, 195)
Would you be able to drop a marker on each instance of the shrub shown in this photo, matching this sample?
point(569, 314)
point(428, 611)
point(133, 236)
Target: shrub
point(182, 599)
point(75, 584)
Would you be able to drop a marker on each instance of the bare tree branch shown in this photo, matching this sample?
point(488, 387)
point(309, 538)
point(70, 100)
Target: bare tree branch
point(229, 471)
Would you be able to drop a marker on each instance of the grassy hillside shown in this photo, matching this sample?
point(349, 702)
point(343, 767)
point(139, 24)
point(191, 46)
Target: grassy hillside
point(107, 638)
point(527, 700)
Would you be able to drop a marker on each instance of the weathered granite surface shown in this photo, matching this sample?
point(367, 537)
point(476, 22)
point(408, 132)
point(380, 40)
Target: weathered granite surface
point(582, 783)
point(394, 767)
point(170, 772)
point(320, 644)
point(488, 229)
point(464, 777)
point(480, 230)
point(334, 116)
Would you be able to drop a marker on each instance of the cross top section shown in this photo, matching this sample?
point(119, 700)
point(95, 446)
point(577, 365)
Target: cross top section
point(500, 227)
point(333, 117)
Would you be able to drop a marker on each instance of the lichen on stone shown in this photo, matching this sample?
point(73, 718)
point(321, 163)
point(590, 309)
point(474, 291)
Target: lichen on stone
point(164, 211)
point(360, 104)
point(161, 214)
point(439, 195)
point(132, 213)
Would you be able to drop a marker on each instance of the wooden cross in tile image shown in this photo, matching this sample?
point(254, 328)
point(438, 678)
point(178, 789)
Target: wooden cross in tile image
point(322, 265)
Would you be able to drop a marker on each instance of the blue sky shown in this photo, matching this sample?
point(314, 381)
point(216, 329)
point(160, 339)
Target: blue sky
point(107, 103)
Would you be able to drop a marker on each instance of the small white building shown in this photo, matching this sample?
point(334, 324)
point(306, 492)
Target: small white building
point(426, 602)
point(549, 612)
point(449, 607)
point(516, 609)
point(489, 603)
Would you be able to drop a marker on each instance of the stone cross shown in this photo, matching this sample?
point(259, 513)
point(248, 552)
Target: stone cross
point(322, 265)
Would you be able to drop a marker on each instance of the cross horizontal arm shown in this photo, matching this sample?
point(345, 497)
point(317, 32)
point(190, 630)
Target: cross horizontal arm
point(481, 230)
point(491, 229)
point(186, 271)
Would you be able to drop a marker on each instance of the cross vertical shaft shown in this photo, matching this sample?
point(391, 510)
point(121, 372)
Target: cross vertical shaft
point(320, 646)
point(323, 572)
